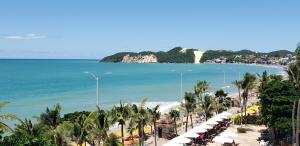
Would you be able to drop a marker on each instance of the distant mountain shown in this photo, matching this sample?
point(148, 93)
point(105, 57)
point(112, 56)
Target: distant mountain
point(183, 55)
point(175, 55)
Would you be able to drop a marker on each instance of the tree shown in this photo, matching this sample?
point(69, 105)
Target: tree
point(247, 85)
point(72, 117)
point(51, 117)
point(189, 105)
point(27, 128)
point(174, 114)
point(112, 140)
point(238, 85)
point(4, 126)
point(140, 116)
point(131, 127)
point(277, 98)
point(207, 106)
point(200, 89)
point(80, 131)
point(221, 101)
point(98, 124)
point(294, 76)
point(155, 115)
point(62, 134)
point(121, 115)
point(26, 140)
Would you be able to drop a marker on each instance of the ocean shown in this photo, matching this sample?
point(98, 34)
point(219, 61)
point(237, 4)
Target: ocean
point(33, 85)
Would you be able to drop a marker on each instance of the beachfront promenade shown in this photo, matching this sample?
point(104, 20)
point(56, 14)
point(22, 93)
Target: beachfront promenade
point(243, 139)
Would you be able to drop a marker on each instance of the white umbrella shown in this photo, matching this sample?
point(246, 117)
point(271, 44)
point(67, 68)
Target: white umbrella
point(190, 134)
point(205, 126)
point(212, 121)
point(172, 144)
point(228, 134)
point(198, 129)
point(221, 116)
point(216, 119)
point(180, 140)
point(225, 114)
point(222, 139)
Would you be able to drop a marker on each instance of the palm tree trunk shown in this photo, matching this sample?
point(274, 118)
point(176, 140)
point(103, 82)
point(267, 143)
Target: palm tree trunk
point(175, 126)
point(245, 107)
point(191, 117)
point(143, 133)
point(122, 132)
point(187, 119)
point(132, 141)
point(155, 144)
point(242, 115)
point(293, 123)
point(140, 132)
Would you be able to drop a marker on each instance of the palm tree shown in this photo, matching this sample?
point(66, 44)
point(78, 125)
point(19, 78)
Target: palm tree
point(3, 126)
point(155, 115)
point(294, 76)
point(80, 131)
point(51, 117)
point(27, 128)
point(174, 114)
point(62, 134)
point(98, 123)
point(207, 105)
point(221, 100)
point(200, 89)
point(121, 115)
point(238, 85)
point(112, 140)
point(131, 127)
point(140, 115)
point(189, 105)
point(247, 85)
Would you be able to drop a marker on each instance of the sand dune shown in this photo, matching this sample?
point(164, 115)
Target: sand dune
point(198, 56)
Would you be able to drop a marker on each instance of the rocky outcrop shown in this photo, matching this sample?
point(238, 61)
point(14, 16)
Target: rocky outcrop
point(139, 59)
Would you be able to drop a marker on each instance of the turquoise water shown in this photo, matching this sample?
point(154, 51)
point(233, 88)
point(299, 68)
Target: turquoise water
point(32, 85)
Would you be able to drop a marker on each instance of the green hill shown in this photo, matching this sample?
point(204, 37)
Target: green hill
point(172, 56)
point(213, 54)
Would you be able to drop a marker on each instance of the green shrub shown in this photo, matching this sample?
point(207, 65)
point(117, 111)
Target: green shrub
point(236, 119)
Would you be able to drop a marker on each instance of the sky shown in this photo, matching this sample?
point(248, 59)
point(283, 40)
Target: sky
point(92, 29)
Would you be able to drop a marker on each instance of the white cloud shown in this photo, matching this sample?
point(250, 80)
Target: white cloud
point(22, 37)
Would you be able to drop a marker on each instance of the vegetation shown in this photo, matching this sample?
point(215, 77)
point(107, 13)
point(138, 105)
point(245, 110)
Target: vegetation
point(155, 115)
point(174, 114)
point(208, 105)
point(276, 100)
point(3, 126)
point(172, 56)
point(213, 54)
point(238, 85)
point(189, 106)
point(248, 84)
point(121, 115)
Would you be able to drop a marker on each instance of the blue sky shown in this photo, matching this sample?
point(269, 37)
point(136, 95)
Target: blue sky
point(93, 29)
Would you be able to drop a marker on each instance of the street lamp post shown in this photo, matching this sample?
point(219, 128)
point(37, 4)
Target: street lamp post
point(181, 84)
point(97, 85)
